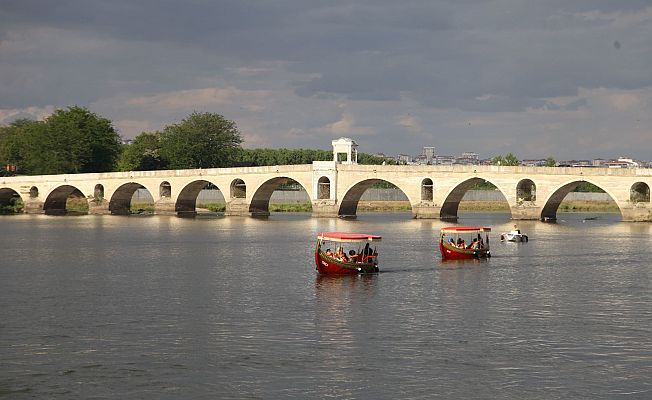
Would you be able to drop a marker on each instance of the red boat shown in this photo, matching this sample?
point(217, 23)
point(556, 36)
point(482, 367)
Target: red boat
point(346, 253)
point(464, 242)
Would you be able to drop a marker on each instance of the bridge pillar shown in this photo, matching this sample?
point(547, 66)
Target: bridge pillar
point(165, 206)
point(324, 208)
point(426, 210)
point(98, 207)
point(33, 206)
point(636, 212)
point(525, 210)
point(237, 207)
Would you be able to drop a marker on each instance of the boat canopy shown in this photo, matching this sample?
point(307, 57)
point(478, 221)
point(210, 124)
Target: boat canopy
point(348, 237)
point(466, 229)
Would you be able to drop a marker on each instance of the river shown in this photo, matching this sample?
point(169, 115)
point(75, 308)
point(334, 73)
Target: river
point(155, 307)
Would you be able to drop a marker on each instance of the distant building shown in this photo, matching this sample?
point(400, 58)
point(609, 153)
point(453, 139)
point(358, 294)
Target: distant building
point(421, 159)
point(534, 163)
point(429, 154)
point(404, 158)
point(621, 163)
point(444, 160)
point(468, 158)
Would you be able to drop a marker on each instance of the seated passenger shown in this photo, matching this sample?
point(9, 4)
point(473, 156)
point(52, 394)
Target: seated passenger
point(329, 253)
point(352, 256)
point(340, 254)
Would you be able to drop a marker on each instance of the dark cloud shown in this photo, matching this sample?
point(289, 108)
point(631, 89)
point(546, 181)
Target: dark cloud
point(475, 56)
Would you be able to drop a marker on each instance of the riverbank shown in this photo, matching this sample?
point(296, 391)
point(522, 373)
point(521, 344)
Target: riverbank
point(81, 206)
point(404, 206)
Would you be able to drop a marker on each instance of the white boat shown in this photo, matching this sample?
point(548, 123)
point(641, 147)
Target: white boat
point(515, 235)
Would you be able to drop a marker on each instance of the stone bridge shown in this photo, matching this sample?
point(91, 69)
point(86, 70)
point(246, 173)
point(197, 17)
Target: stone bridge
point(334, 188)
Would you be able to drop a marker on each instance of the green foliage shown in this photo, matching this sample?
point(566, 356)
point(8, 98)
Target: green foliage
point(144, 154)
point(550, 162)
point(369, 159)
point(509, 159)
point(260, 157)
point(74, 140)
point(484, 185)
point(383, 185)
point(588, 187)
point(202, 140)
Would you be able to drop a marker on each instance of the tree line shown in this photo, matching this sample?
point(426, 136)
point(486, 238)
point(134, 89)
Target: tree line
point(76, 140)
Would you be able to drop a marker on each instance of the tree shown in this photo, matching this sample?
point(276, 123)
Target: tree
point(69, 141)
point(202, 140)
point(550, 162)
point(81, 141)
point(144, 154)
point(257, 157)
point(509, 159)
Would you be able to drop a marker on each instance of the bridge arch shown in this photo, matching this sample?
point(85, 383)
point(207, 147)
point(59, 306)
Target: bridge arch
point(551, 205)
point(57, 200)
point(526, 190)
point(323, 188)
point(187, 199)
point(10, 201)
point(639, 193)
point(349, 204)
point(238, 189)
point(98, 192)
point(120, 203)
point(427, 189)
point(451, 204)
point(259, 205)
point(165, 189)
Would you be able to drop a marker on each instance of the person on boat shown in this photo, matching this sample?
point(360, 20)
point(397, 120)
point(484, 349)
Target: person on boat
point(366, 253)
point(516, 230)
point(451, 241)
point(473, 244)
point(340, 254)
point(460, 243)
point(353, 257)
point(367, 250)
point(329, 253)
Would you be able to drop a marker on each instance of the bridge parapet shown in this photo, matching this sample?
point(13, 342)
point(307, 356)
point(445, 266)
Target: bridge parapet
point(335, 189)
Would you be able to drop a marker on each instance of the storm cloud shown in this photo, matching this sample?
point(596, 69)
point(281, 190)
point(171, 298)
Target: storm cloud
point(538, 79)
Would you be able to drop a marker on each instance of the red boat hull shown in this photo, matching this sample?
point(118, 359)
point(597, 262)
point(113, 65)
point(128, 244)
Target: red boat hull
point(329, 265)
point(453, 253)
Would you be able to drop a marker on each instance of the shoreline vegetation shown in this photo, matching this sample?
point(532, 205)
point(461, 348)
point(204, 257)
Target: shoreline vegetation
point(80, 206)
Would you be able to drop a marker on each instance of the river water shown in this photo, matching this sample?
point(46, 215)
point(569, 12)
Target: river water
point(109, 307)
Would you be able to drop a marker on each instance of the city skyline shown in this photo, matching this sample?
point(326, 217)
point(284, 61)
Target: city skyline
point(555, 78)
point(472, 157)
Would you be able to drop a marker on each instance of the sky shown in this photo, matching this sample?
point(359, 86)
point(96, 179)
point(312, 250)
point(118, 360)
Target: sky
point(545, 78)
